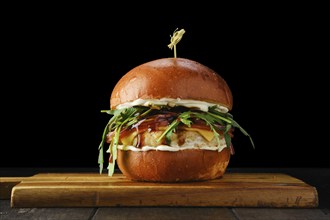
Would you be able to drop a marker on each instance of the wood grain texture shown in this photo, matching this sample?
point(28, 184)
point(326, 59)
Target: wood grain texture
point(94, 190)
point(8, 213)
point(6, 185)
point(164, 213)
point(280, 214)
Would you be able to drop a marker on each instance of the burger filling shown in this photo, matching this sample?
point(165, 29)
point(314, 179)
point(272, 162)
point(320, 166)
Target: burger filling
point(144, 138)
point(167, 128)
point(201, 105)
point(182, 140)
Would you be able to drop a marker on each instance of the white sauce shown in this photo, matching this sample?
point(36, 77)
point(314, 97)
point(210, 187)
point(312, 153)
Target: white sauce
point(203, 106)
point(168, 148)
point(195, 143)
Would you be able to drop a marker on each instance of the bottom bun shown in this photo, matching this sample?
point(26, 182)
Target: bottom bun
point(178, 166)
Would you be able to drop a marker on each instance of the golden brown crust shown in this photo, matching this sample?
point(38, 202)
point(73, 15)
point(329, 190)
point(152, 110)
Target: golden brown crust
point(172, 78)
point(179, 166)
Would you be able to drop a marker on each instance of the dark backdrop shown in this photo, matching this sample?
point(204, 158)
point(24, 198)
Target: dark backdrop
point(61, 65)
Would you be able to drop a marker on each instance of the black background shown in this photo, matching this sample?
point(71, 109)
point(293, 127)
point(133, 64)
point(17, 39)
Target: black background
point(61, 64)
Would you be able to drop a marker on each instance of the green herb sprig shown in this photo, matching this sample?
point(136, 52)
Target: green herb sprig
point(124, 118)
point(120, 119)
point(211, 118)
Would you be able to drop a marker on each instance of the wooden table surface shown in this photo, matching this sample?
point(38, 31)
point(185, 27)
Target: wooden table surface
point(317, 177)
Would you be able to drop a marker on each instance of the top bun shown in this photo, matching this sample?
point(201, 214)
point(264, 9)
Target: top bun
point(172, 78)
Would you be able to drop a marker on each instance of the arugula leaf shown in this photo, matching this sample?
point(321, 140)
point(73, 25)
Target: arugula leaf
point(227, 139)
point(124, 118)
point(210, 122)
point(184, 118)
point(105, 132)
point(120, 118)
point(230, 120)
point(170, 129)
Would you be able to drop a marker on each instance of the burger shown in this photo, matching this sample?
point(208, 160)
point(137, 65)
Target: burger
point(170, 122)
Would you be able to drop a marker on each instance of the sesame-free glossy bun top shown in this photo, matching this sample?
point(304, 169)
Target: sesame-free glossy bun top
point(172, 78)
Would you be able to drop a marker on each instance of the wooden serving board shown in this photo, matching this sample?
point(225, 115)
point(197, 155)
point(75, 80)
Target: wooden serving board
point(94, 190)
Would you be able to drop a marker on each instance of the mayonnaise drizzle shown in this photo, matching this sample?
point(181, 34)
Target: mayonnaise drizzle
point(201, 105)
point(169, 148)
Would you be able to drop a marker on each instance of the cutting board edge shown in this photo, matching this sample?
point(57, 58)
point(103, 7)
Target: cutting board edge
point(291, 197)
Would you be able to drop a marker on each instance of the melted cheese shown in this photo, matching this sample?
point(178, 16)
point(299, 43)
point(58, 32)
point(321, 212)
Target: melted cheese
point(193, 140)
point(128, 140)
point(208, 135)
point(203, 106)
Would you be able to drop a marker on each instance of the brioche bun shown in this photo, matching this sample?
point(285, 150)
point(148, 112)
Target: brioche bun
point(176, 78)
point(172, 78)
point(178, 166)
